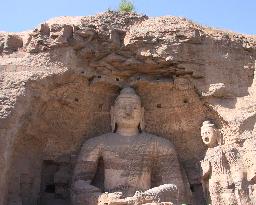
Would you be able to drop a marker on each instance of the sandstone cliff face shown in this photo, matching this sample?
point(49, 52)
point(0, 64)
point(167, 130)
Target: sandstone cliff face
point(59, 81)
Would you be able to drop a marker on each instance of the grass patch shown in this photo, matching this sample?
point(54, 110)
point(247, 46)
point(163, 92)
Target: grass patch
point(126, 6)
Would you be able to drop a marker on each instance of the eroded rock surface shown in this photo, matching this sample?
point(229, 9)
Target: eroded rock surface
point(58, 82)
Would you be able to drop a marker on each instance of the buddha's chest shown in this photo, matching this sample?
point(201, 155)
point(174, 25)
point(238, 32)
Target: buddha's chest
point(128, 156)
point(127, 168)
point(218, 161)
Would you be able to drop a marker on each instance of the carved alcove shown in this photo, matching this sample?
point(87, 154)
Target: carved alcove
point(68, 109)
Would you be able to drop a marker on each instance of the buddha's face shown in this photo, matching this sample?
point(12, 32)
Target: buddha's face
point(128, 112)
point(209, 136)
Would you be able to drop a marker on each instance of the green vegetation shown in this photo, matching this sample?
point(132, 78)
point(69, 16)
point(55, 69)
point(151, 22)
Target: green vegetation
point(110, 10)
point(126, 6)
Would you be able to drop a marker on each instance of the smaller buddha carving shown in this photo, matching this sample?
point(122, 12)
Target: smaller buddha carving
point(215, 170)
point(222, 169)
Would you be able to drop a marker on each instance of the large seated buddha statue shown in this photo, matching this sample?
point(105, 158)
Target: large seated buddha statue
point(139, 168)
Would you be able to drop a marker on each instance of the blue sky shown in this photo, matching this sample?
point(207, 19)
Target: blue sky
point(235, 15)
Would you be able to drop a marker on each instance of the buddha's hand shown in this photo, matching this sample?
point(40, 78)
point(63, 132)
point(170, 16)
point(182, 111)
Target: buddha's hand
point(111, 198)
point(162, 193)
point(142, 197)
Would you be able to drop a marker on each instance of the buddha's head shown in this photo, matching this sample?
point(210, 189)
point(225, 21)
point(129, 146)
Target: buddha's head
point(127, 111)
point(210, 134)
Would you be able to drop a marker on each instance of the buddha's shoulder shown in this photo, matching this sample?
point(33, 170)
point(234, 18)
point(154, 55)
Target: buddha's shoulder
point(160, 141)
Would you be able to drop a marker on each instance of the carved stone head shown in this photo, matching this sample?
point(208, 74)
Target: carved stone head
point(127, 111)
point(210, 134)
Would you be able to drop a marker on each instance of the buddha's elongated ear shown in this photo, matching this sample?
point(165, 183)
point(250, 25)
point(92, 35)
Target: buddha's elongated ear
point(113, 120)
point(142, 124)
